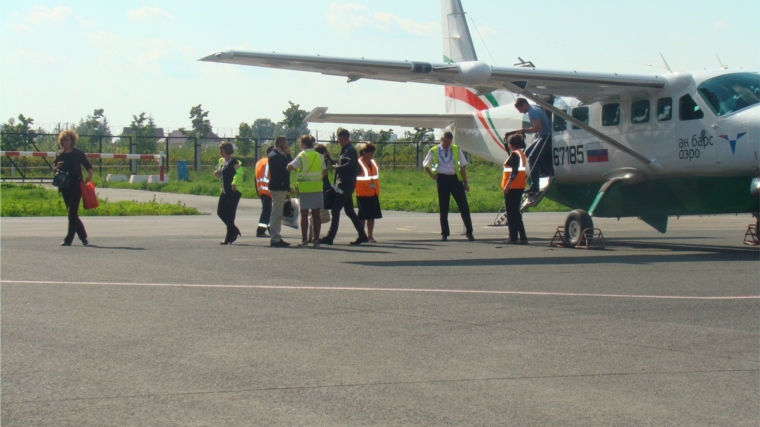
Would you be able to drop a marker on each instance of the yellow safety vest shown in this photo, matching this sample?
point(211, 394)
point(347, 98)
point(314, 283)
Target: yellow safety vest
point(455, 155)
point(309, 174)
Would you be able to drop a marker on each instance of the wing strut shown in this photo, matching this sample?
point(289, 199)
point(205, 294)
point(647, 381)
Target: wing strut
point(604, 138)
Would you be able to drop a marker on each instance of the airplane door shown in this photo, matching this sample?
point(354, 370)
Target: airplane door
point(696, 145)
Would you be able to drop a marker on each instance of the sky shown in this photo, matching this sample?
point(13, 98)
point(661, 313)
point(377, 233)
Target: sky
point(62, 59)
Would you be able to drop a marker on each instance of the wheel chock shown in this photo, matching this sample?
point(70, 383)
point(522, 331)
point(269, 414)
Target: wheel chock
point(558, 241)
point(591, 238)
point(750, 237)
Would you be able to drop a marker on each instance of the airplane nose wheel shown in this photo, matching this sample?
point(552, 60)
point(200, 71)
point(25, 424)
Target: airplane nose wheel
point(751, 237)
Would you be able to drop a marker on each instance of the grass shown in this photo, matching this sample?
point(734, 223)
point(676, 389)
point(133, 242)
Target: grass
point(402, 190)
point(27, 200)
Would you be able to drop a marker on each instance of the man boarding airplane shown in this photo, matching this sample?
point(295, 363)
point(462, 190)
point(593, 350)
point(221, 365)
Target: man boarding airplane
point(646, 146)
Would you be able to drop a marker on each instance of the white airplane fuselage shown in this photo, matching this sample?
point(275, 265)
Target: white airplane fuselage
point(685, 151)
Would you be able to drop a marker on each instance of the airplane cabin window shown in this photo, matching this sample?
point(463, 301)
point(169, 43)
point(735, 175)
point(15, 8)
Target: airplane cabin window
point(688, 109)
point(560, 124)
point(664, 109)
point(640, 111)
point(581, 114)
point(611, 115)
point(730, 92)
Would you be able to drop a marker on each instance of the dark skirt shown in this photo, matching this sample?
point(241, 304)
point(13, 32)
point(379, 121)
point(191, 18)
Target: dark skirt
point(369, 208)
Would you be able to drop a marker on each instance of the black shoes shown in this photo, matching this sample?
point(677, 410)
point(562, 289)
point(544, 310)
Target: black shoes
point(280, 244)
point(85, 242)
point(261, 232)
point(470, 237)
point(359, 241)
point(326, 241)
point(65, 243)
point(444, 238)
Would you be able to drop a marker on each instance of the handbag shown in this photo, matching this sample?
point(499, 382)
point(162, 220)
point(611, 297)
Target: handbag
point(324, 216)
point(290, 213)
point(62, 180)
point(89, 198)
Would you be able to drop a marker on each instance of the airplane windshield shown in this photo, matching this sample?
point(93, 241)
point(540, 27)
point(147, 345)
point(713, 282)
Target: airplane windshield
point(731, 92)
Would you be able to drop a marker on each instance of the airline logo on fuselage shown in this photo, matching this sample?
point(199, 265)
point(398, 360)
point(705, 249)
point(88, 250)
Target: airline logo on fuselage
point(733, 141)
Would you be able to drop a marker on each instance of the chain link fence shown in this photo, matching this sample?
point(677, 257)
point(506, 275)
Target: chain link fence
point(201, 154)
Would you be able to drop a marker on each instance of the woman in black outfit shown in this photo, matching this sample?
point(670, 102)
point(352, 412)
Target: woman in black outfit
point(71, 160)
point(230, 174)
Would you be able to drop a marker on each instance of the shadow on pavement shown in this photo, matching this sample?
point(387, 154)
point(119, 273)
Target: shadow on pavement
point(118, 248)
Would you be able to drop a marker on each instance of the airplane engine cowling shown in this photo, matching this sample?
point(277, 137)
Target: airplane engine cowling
point(473, 72)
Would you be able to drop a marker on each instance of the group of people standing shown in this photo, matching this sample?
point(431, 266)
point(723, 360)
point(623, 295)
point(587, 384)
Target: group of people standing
point(354, 172)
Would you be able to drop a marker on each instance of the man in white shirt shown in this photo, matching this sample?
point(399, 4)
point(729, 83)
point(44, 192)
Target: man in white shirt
point(446, 164)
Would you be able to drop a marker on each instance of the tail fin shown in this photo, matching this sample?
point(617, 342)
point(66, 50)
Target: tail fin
point(458, 47)
point(457, 42)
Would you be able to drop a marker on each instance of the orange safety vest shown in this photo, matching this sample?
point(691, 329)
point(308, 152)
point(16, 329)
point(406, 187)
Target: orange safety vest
point(521, 179)
point(368, 179)
point(262, 177)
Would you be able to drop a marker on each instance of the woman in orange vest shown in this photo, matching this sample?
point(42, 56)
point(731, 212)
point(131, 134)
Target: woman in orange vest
point(262, 190)
point(368, 189)
point(513, 183)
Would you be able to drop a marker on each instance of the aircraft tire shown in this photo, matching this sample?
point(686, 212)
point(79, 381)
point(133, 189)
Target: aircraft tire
point(577, 221)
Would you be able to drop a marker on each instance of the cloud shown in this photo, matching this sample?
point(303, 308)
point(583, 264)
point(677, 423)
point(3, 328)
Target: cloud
point(30, 57)
point(149, 14)
point(346, 17)
point(41, 15)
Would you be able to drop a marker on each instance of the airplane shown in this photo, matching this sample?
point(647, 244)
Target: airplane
point(624, 145)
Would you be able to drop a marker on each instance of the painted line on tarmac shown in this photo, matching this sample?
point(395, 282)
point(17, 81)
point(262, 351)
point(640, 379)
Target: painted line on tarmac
point(410, 290)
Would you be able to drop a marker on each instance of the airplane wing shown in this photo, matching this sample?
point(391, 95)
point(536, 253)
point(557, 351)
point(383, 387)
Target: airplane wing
point(435, 121)
point(586, 86)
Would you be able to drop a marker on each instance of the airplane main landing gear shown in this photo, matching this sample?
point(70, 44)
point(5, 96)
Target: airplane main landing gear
point(751, 237)
point(578, 232)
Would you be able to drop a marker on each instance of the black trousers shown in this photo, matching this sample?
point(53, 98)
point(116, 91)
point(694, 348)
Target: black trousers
point(266, 212)
point(227, 209)
point(71, 198)
point(539, 159)
point(344, 201)
point(449, 185)
point(512, 201)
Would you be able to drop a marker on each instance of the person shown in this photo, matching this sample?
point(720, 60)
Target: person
point(230, 175)
point(328, 192)
point(310, 170)
point(279, 186)
point(513, 184)
point(345, 184)
point(262, 190)
point(71, 160)
point(446, 164)
point(368, 189)
point(540, 148)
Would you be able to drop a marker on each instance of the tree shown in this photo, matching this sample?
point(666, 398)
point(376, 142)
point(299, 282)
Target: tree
point(423, 135)
point(384, 136)
point(200, 123)
point(244, 138)
point(94, 125)
point(293, 124)
point(266, 129)
point(144, 131)
point(15, 133)
point(358, 134)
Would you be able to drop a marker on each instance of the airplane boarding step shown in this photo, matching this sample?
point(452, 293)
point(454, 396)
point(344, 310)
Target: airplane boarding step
point(544, 183)
point(528, 202)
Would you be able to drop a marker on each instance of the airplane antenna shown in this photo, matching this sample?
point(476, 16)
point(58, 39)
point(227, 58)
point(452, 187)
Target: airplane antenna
point(721, 64)
point(524, 63)
point(667, 67)
point(481, 39)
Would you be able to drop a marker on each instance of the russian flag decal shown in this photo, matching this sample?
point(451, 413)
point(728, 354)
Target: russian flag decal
point(597, 156)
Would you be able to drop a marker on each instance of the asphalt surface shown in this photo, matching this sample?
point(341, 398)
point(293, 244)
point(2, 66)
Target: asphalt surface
point(155, 324)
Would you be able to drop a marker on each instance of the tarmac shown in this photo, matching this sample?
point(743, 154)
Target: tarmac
point(156, 324)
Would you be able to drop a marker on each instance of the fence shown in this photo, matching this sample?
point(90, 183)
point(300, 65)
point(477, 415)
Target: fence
point(203, 152)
